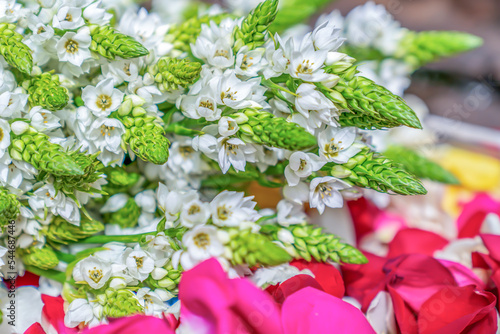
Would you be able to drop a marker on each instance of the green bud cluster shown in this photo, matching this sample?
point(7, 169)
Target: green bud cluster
point(168, 282)
point(128, 216)
point(60, 232)
point(372, 170)
point(254, 248)
point(172, 73)
point(35, 148)
point(371, 105)
point(419, 165)
point(119, 180)
point(46, 91)
point(110, 43)
point(43, 258)
point(92, 171)
point(311, 242)
point(253, 29)
point(264, 128)
point(144, 134)
point(9, 207)
point(182, 35)
point(16, 53)
point(119, 303)
point(420, 48)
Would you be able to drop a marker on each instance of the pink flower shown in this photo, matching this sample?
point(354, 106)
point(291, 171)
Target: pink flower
point(313, 311)
point(213, 303)
point(473, 213)
point(133, 325)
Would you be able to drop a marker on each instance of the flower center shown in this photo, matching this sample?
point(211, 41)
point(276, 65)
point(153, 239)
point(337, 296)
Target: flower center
point(228, 95)
point(231, 149)
point(126, 69)
point(194, 209)
point(95, 274)
point(1, 134)
point(221, 53)
point(305, 67)
point(223, 213)
point(332, 149)
point(303, 164)
point(139, 261)
point(207, 104)
point(245, 64)
point(106, 130)
point(41, 30)
point(185, 151)
point(71, 46)
point(103, 101)
point(325, 190)
point(68, 18)
point(202, 240)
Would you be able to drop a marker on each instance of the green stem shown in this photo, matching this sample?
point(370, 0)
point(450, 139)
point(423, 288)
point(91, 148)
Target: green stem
point(52, 274)
point(102, 239)
point(65, 257)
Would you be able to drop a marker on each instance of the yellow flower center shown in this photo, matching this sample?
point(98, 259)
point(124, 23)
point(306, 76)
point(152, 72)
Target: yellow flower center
point(103, 101)
point(126, 68)
point(305, 67)
point(207, 104)
point(221, 53)
point(332, 149)
point(194, 209)
point(106, 130)
point(1, 134)
point(185, 151)
point(245, 64)
point(68, 18)
point(202, 240)
point(139, 261)
point(223, 213)
point(71, 46)
point(95, 275)
point(324, 190)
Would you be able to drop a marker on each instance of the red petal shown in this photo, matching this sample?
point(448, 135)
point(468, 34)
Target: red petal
point(413, 240)
point(326, 274)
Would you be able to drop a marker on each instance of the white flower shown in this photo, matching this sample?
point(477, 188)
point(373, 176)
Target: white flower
point(79, 311)
point(106, 134)
point(371, 25)
point(68, 18)
point(228, 126)
point(11, 11)
point(115, 203)
point(184, 158)
point(152, 301)
point(324, 191)
point(12, 103)
point(327, 36)
point(234, 152)
point(310, 99)
point(235, 93)
point(203, 105)
point(139, 263)
point(275, 275)
point(93, 271)
point(194, 213)
point(146, 200)
point(96, 15)
point(4, 136)
point(218, 53)
point(7, 80)
point(230, 208)
point(74, 47)
point(307, 64)
point(122, 70)
point(201, 243)
point(249, 63)
point(13, 172)
point(171, 202)
point(290, 213)
point(336, 144)
point(277, 62)
point(47, 197)
point(301, 165)
point(103, 98)
point(43, 120)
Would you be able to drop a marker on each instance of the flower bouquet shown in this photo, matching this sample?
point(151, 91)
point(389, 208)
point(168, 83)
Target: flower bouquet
point(130, 142)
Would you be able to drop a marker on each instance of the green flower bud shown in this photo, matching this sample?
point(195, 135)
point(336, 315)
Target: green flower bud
point(172, 73)
point(420, 48)
point(121, 303)
point(253, 29)
point(44, 155)
point(128, 216)
point(16, 53)
point(43, 258)
point(264, 128)
point(46, 91)
point(182, 35)
point(254, 248)
point(170, 281)
point(145, 135)
point(9, 208)
point(92, 171)
point(372, 106)
point(109, 43)
point(371, 170)
point(310, 242)
point(420, 166)
point(119, 180)
point(61, 232)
